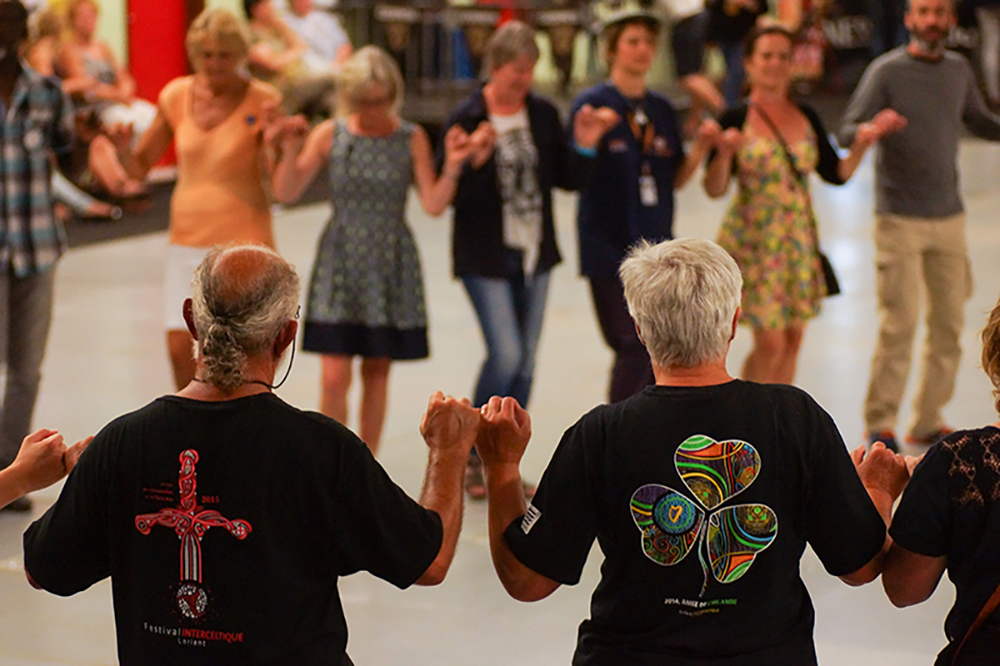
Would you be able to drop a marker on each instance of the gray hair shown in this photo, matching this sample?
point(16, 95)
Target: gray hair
point(239, 311)
point(511, 41)
point(368, 66)
point(683, 294)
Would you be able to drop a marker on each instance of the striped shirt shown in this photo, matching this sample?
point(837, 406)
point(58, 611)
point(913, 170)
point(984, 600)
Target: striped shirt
point(38, 124)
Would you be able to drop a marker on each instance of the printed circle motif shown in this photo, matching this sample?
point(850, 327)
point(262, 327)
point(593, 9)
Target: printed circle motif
point(674, 513)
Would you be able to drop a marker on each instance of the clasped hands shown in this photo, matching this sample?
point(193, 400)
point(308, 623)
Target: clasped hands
point(500, 429)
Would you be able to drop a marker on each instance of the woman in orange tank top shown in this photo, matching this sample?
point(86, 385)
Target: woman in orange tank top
point(215, 118)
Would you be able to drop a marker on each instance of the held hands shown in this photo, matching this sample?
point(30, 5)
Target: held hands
point(482, 141)
point(44, 458)
point(449, 424)
point(457, 149)
point(730, 141)
point(590, 124)
point(504, 432)
point(886, 121)
point(881, 469)
point(286, 134)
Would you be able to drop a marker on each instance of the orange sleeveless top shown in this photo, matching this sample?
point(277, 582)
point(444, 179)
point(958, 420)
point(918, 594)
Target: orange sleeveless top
point(220, 196)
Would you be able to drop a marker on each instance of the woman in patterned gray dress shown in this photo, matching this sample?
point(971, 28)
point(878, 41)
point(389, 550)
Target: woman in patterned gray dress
point(366, 296)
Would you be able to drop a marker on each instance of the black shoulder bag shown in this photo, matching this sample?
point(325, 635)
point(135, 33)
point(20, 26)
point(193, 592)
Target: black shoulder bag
point(829, 276)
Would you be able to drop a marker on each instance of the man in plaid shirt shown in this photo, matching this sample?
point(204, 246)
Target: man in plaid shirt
point(35, 125)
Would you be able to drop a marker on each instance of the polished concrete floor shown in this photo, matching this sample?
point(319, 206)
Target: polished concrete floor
point(106, 356)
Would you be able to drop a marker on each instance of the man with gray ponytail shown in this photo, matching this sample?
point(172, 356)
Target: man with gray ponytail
point(263, 506)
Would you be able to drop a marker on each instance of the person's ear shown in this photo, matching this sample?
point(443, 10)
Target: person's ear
point(188, 310)
point(736, 321)
point(286, 337)
point(638, 332)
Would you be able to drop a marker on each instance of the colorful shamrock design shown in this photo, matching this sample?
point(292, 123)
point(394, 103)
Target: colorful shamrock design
point(671, 524)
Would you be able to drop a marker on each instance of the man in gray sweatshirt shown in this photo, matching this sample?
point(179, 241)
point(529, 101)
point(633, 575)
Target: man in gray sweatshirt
point(919, 218)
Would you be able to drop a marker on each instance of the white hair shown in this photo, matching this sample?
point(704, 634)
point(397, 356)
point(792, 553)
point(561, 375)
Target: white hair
point(683, 294)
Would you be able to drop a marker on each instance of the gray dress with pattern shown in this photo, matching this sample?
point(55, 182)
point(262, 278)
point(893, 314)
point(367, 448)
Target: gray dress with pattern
point(366, 296)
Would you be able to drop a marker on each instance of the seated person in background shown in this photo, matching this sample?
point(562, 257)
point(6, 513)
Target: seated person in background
point(105, 98)
point(263, 505)
point(702, 490)
point(42, 460)
point(327, 45)
point(278, 56)
point(949, 519)
point(44, 39)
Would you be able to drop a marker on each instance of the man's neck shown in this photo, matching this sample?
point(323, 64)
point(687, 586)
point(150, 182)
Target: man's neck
point(630, 84)
point(708, 374)
point(923, 50)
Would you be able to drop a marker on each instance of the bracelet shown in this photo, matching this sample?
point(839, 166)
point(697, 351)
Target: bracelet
point(586, 152)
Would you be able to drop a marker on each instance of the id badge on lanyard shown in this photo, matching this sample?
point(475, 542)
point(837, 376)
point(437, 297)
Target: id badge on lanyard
point(644, 133)
point(648, 194)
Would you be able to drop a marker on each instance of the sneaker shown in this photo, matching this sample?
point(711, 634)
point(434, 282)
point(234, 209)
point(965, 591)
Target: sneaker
point(931, 437)
point(20, 505)
point(887, 437)
point(475, 485)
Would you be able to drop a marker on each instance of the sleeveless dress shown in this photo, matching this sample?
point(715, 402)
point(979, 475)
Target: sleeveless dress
point(366, 295)
point(770, 230)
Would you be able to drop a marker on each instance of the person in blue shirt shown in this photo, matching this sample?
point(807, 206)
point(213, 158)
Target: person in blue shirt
point(631, 195)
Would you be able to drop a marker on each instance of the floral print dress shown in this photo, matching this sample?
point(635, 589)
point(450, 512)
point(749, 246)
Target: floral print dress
point(770, 230)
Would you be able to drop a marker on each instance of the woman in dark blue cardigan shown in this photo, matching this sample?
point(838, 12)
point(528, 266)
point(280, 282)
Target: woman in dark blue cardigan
point(503, 240)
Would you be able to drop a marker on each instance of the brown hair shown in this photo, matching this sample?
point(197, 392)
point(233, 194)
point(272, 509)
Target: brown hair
point(614, 32)
point(750, 43)
point(991, 353)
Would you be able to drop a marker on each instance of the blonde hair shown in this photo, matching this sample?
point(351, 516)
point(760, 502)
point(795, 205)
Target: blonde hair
point(46, 23)
point(991, 353)
point(221, 25)
point(73, 5)
point(368, 66)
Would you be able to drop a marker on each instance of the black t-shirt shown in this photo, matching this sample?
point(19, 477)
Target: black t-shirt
point(702, 500)
point(224, 527)
point(951, 508)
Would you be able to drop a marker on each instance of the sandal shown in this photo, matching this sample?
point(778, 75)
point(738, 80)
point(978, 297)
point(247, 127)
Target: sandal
point(475, 484)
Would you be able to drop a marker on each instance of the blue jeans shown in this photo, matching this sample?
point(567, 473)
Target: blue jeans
point(510, 312)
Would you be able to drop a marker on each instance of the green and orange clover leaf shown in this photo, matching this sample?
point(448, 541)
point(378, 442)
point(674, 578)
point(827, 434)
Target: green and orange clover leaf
point(729, 539)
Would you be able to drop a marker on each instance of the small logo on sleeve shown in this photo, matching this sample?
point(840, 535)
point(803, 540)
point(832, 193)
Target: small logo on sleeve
point(531, 517)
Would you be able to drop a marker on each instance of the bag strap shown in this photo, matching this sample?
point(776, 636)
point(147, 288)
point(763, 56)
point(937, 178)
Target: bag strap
point(799, 176)
point(987, 610)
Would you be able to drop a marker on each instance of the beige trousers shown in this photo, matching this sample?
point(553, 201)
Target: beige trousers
point(917, 256)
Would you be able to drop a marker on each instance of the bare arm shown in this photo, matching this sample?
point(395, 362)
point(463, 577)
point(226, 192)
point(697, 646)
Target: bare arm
point(436, 192)
point(720, 168)
point(909, 578)
point(449, 427)
point(866, 135)
point(152, 144)
point(884, 475)
point(504, 435)
point(298, 160)
point(708, 135)
point(42, 460)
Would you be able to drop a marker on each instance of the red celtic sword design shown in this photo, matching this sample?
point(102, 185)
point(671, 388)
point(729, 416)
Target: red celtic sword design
point(190, 521)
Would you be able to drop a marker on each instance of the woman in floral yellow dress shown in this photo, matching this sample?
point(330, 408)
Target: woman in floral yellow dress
point(771, 143)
